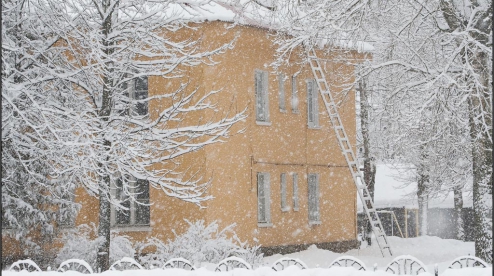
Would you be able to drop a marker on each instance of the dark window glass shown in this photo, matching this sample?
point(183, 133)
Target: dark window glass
point(5, 223)
point(141, 83)
point(141, 93)
point(142, 209)
point(122, 216)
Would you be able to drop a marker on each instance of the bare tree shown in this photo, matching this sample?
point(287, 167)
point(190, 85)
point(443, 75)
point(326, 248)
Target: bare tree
point(103, 56)
point(424, 50)
point(31, 125)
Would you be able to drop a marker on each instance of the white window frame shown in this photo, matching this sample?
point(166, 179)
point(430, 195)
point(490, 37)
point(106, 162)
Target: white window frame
point(281, 92)
point(313, 199)
point(295, 192)
point(262, 97)
point(132, 226)
point(263, 200)
point(283, 193)
point(312, 104)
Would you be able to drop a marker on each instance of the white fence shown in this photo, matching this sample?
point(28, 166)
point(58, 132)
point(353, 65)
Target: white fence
point(402, 265)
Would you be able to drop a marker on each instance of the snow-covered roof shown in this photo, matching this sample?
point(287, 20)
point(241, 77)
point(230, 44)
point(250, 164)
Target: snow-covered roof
point(250, 13)
point(390, 191)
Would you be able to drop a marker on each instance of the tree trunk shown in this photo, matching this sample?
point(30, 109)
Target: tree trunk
point(423, 200)
point(103, 257)
point(482, 161)
point(423, 190)
point(458, 201)
point(369, 166)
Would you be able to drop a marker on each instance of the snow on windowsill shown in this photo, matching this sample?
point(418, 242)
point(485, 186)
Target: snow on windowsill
point(315, 127)
point(136, 228)
point(259, 123)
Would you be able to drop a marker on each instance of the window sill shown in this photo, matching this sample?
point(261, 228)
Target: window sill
point(295, 112)
point(296, 209)
point(264, 224)
point(283, 110)
point(311, 223)
point(314, 127)
point(286, 209)
point(131, 228)
point(263, 123)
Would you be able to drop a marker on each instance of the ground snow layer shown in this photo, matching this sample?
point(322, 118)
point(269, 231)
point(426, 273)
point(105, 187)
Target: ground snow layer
point(429, 250)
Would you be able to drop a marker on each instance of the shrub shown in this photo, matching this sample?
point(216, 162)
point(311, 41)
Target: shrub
point(200, 243)
point(78, 244)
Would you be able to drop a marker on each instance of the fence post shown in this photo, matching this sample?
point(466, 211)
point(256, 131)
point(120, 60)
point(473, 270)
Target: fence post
point(436, 270)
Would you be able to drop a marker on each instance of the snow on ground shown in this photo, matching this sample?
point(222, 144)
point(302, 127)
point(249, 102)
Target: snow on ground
point(429, 250)
point(263, 271)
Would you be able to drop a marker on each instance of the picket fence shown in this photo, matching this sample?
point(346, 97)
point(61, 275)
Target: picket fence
point(401, 265)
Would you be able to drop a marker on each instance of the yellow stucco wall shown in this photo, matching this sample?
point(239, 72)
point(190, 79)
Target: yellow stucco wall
point(287, 145)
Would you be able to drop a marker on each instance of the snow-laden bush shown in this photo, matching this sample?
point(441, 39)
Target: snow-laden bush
point(200, 243)
point(79, 244)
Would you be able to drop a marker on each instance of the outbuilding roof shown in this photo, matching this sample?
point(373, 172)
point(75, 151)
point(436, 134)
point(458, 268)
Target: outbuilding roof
point(392, 191)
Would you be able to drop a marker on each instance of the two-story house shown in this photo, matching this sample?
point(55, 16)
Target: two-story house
point(283, 180)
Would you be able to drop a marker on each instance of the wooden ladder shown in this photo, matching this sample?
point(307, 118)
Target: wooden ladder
point(347, 150)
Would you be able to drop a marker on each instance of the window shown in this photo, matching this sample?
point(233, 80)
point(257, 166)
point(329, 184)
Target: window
point(312, 105)
point(284, 204)
point(263, 199)
point(294, 95)
point(281, 91)
point(136, 212)
point(262, 101)
point(141, 93)
point(295, 192)
point(66, 217)
point(313, 181)
point(5, 221)
point(134, 90)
